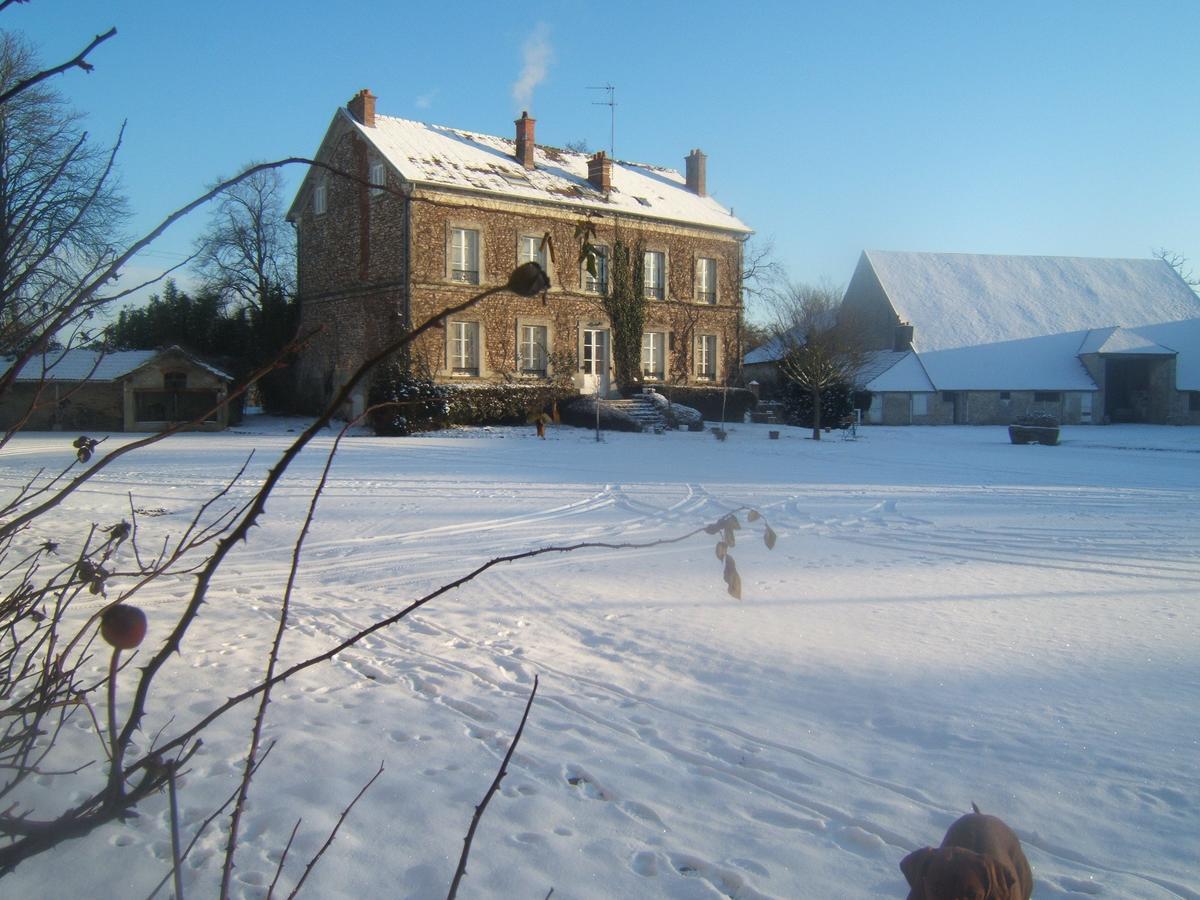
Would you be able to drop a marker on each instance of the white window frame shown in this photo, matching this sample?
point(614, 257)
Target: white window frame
point(654, 270)
point(654, 353)
point(533, 346)
point(463, 348)
point(531, 249)
point(320, 198)
point(706, 280)
point(598, 284)
point(706, 349)
point(464, 255)
point(377, 175)
point(591, 353)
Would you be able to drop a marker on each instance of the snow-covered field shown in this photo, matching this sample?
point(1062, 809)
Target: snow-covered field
point(946, 618)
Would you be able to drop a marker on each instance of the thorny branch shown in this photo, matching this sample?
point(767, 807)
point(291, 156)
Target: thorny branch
point(273, 660)
point(495, 786)
point(342, 818)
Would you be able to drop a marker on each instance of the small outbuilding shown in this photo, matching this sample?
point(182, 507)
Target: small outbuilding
point(130, 390)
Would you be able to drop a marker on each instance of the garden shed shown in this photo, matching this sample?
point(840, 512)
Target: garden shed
point(130, 390)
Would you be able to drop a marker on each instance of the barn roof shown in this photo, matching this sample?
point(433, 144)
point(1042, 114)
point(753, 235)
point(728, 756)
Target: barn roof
point(1044, 363)
point(965, 299)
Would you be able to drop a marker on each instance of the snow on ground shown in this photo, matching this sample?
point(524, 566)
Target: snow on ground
point(946, 618)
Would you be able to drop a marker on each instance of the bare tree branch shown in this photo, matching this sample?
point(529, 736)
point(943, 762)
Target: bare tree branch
point(79, 62)
point(495, 786)
point(312, 863)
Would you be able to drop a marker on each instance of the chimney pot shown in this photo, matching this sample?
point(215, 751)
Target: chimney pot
point(362, 107)
point(525, 140)
point(696, 176)
point(600, 172)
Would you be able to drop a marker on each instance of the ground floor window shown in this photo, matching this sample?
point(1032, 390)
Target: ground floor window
point(464, 348)
point(654, 352)
point(595, 352)
point(1194, 401)
point(1047, 397)
point(706, 356)
point(531, 349)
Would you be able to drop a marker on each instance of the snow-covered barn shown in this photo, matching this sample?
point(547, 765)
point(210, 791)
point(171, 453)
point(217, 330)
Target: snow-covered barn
point(981, 339)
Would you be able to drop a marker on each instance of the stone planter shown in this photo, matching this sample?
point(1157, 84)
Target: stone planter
point(1034, 430)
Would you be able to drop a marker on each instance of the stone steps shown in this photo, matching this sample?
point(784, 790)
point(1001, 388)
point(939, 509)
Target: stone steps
point(641, 409)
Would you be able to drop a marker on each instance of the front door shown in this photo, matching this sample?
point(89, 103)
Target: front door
point(594, 361)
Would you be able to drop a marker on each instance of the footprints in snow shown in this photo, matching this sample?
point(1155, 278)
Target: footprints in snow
point(726, 880)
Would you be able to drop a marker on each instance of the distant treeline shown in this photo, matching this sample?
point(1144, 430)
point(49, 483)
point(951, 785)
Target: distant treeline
point(239, 340)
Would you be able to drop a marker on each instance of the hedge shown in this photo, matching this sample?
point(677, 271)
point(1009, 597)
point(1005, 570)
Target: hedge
point(501, 404)
point(709, 399)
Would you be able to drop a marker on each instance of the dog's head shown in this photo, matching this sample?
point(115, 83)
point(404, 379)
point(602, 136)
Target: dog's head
point(953, 873)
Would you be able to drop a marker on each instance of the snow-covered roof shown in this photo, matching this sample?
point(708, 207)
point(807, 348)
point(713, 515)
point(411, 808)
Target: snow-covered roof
point(1183, 338)
point(774, 349)
point(96, 365)
point(439, 156)
point(964, 299)
point(1121, 340)
point(1046, 363)
point(896, 371)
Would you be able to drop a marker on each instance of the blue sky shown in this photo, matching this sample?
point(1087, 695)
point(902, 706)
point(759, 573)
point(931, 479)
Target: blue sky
point(1061, 128)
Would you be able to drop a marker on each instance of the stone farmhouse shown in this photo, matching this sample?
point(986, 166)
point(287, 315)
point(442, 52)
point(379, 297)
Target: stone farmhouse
point(129, 390)
point(434, 215)
point(977, 339)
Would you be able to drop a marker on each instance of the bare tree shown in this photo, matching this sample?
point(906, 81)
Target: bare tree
point(59, 207)
point(248, 250)
point(1178, 262)
point(819, 348)
point(761, 271)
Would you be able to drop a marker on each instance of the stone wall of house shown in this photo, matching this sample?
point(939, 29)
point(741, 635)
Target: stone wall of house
point(354, 262)
point(350, 268)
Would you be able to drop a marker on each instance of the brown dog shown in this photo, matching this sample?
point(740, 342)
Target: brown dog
point(980, 859)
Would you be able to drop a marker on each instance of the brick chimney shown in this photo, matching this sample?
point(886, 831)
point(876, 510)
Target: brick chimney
point(696, 165)
point(525, 140)
point(903, 338)
point(362, 107)
point(600, 172)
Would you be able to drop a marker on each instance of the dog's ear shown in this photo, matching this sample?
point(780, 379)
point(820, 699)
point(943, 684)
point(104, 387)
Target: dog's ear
point(915, 864)
point(1002, 880)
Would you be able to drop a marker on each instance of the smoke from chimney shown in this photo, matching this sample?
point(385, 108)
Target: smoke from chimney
point(536, 57)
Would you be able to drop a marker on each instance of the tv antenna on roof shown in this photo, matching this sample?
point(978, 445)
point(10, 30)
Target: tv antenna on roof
point(611, 103)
